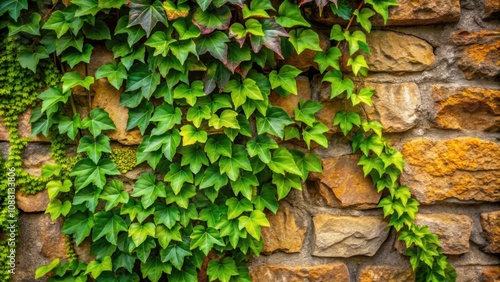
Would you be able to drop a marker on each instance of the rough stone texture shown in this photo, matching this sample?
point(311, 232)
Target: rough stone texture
point(32, 203)
point(346, 236)
point(395, 105)
point(453, 230)
point(285, 221)
point(24, 128)
point(337, 272)
point(398, 52)
point(340, 191)
point(466, 108)
point(306, 59)
point(409, 12)
point(491, 9)
point(35, 156)
point(40, 241)
point(384, 273)
point(481, 53)
point(463, 168)
point(292, 101)
point(491, 274)
point(490, 222)
point(108, 98)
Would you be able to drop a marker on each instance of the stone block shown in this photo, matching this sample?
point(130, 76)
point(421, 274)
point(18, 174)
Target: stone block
point(480, 57)
point(491, 9)
point(340, 191)
point(395, 105)
point(398, 52)
point(346, 236)
point(32, 203)
point(409, 12)
point(491, 274)
point(465, 169)
point(453, 230)
point(35, 156)
point(384, 273)
point(466, 108)
point(24, 128)
point(292, 101)
point(490, 222)
point(108, 98)
point(287, 231)
point(40, 241)
point(337, 272)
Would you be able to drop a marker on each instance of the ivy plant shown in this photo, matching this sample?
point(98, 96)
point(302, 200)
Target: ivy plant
point(196, 78)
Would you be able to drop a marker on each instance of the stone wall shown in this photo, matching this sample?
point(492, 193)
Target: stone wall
point(435, 68)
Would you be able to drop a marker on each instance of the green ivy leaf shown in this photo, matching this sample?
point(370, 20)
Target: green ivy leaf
point(370, 163)
point(190, 94)
point(154, 268)
point(56, 22)
point(237, 207)
point(364, 95)
point(237, 54)
point(79, 225)
point(139, 77)
point(182, 48)
point(253, 223)
point(214, 18)
point(108, 224)
point(194, 156)
point(144, 250)
point(105, 4)
point(188, 274)
point(245, 184)
point(146, 188)
point(87, 171)
point(13, 7)
point(50, 169)
point(261, 147)
point(354, 39)
point(174, 11)
point(222, 270)
point(140, 116)
point(346, 121)
point(72, 79)
point(140, 233)
point(99, 120)
point(177, 176)
point(89, 196)
point(161, 42)
point(182, 199)
point(215, 44)
point(57, 208)
point(197, 114)
point(273, 122)
point(29, 59)
point(153, 158)
point(328, 59)
point(114, 194)
point(213, 177)
point(363, 18)
point(240, 91)
point(94, 147)
point(302, 39)
point(166, 235)
point(336, 33)
point(31, 26)
point(54, 187)
point(115, 73)
point(358, 65)
point(176, 253)
point(342, 8)
point(205, 239)
point(315, 133)
point(44, 269)
point(290, 15)
point(382, 7)
point(306, 163)
point(338, 85)
point(285, 78)
point(51, 97)
point(231, 165)
point(190, 135)
point(86, 7)
point(306, 110)
point(266, 199)
point(96, 268)
point(227, 119)
point(257, 9)
point(146, 15)
point(282, 161)
point(373, 125)
point(284, 183)
point(273, 31)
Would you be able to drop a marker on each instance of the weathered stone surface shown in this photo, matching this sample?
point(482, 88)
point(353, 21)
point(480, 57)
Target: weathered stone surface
point(32, 203)
point(40, 241)
point(385, 273)
point(409, 12)
point(340, 191)
point(286, 221)
point(462, 169)
point(346, 236)
point(398, 52)
point(35, 156)
point(481, 53)
point(491, 9)
point(453, 230)
point(466, 108)
point(468, 273)
point(24, 128)
point(108, 98)
point(306, 59)
point(337, 272)
point(490, 222)
point(395, 105)
point(290, 102)
point(491, 274)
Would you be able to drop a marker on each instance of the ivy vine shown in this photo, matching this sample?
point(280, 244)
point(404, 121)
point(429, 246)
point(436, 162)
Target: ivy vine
point(196, 78)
